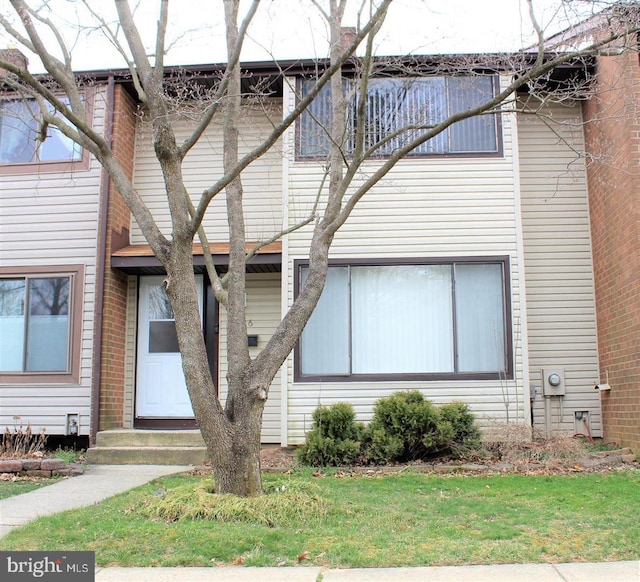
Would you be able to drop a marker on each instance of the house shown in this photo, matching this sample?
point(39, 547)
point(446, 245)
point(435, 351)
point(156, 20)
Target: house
point(466, 273)
point(487, 230)
point(50, 267)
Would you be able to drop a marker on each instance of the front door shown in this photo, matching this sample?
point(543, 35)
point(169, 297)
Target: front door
point(161, 391)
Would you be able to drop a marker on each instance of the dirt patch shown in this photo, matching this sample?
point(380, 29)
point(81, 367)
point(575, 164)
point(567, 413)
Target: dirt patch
point(277, 458)
point(560, 455)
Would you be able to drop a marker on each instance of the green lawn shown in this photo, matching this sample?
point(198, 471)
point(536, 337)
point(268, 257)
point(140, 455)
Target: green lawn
point(406, 519)
point(11, 488)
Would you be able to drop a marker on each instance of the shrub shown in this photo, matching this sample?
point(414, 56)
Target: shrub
point(334, 439)
point(408, 427)
point(404, 427)
point(465, 434)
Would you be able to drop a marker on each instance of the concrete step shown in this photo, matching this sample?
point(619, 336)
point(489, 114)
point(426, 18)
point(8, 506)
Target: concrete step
point(147, 455)
point(149, 438)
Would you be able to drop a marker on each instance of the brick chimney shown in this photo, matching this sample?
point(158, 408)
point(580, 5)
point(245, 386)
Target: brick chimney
point(13, 56)
point(347, 36)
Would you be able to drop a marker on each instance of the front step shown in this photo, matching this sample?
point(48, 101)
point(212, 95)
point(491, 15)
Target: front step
point(148, 447)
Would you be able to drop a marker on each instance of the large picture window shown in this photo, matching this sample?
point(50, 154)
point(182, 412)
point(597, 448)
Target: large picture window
point(418, 320)
point(38, 316)
point(393, 104)
point(21, 141)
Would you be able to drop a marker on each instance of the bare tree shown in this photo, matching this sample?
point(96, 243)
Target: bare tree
point(351, 140)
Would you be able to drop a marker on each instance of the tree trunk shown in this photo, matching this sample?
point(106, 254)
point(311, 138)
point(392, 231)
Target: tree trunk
point(237, 471)
point(232, 437)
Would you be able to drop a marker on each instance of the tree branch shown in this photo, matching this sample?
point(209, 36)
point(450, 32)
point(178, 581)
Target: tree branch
point(131, 33)
point(113, 39)
point(216, 101)
point(289, 119)
point(161, 33)
point(55, 67)
point(536, 71)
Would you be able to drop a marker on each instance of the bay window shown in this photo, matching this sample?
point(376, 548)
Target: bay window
point(440, 319)
point(393, 105)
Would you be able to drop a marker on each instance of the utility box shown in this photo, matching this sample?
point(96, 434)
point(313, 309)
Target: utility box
point(553, 382)
point(583, 423)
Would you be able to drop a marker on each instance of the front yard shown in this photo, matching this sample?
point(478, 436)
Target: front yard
point(361, 520)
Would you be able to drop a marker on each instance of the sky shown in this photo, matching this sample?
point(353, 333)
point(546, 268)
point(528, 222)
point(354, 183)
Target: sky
point(289, 29)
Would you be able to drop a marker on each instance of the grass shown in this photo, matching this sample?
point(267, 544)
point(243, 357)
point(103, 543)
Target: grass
point(405, 519)
point(68, 455)
point(11, 488)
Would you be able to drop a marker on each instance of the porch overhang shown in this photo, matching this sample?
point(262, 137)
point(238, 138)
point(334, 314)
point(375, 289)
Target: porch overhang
point(140, 260)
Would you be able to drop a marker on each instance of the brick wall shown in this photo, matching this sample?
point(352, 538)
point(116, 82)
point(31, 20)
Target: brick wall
point(613, 138)
point(115, 283)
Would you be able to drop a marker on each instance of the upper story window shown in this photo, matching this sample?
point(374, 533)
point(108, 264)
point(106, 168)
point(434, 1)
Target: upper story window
point(396, 103)
point(21, 141)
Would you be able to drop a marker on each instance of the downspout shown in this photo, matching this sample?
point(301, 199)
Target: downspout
point(101, 263)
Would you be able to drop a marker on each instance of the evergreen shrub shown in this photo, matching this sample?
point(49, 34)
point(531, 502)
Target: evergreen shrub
point(405, 427)
point(334, 439)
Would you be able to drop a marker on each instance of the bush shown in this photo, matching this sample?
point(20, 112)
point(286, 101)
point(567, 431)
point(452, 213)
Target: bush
point(408, 427)
point(404, 427)
point(334, 439)
point(465, 434)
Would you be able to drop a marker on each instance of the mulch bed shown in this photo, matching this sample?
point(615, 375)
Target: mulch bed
point(277, 459)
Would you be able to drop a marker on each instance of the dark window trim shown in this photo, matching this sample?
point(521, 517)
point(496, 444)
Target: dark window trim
point(499, 153)
point(504, 260)
point(61, 166)
point(72, 376)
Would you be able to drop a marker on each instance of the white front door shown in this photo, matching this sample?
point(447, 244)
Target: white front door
point(161, 391)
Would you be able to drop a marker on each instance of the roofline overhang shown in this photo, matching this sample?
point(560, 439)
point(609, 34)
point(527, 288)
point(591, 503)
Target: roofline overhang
point(140, 260)
point(394, 64)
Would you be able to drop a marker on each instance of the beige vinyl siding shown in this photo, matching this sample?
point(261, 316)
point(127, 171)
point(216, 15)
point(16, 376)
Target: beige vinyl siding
point(559, 272)
point(262, 180)
point(263, 316)
point(52, 219)
point(485, 398)
point(428, 208)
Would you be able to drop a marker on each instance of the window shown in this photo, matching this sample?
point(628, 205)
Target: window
point(39, 316)
point(426, 320)
point(19, 137)
point(396, 103)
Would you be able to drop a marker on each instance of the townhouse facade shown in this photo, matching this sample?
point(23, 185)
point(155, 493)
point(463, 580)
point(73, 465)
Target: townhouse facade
point(49, 266)
point(466, 273)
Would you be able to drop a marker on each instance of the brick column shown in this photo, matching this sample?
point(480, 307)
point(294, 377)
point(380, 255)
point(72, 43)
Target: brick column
point(613, 138)
point(115, 283)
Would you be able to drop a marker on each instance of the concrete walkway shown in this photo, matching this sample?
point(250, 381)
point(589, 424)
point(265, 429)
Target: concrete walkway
point(102, 481)
point(617, 571)
point(97, 483)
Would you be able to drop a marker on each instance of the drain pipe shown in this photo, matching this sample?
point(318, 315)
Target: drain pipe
point(101, 266)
